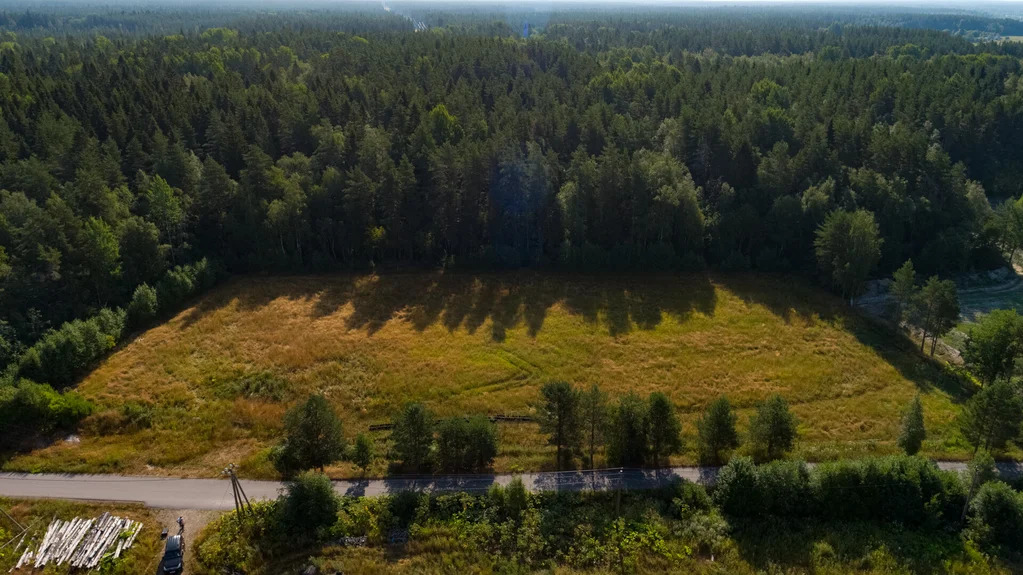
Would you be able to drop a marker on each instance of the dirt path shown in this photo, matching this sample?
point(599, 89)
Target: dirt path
point(195, 521)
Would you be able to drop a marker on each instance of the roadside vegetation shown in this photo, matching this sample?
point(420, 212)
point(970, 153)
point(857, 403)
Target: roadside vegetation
point(879, 516)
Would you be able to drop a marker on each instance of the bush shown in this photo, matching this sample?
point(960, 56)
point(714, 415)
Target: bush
point(996, 517)
point(29, 408)
point(786, 489)
point(737, 490)
point(905, 489)
point(466, 444)
point(63, 355)
point(689, 497)
point(143, 306)
point(362, 452)
point(309, 504)
point(183, 282)
point(901, 489)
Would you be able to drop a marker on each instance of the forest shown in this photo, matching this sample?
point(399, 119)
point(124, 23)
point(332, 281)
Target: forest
point(138, 166)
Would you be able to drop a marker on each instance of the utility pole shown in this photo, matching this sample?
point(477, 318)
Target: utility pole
point(241, 501)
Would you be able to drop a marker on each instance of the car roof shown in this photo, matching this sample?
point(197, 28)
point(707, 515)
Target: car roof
point(173, 543)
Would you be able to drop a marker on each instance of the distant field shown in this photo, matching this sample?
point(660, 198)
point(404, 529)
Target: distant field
point(214, 381)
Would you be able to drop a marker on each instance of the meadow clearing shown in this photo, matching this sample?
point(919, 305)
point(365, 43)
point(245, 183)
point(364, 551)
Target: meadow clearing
point(210, 385)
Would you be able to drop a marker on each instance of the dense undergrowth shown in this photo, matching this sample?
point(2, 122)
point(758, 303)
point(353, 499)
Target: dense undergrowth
point(888, 515)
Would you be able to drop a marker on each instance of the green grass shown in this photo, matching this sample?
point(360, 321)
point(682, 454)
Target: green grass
point(37, 514)
point(216, 379)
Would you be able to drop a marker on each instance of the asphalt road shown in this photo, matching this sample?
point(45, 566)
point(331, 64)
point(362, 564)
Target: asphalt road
point(173, 493)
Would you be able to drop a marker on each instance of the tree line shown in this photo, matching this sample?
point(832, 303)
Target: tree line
point(314, 149)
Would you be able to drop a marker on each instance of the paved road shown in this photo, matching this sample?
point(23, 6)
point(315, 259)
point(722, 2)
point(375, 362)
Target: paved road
point(172, 493)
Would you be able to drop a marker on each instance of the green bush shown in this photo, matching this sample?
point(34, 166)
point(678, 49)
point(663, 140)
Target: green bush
point(29, 408)
point(466, 445)
point(63, 355)
point(143, 306)
point(898, 488)
point(996, 517)
point(737, 490)
point(183, 282)
point(309, 504)
point(786, 489)
point(903, 489)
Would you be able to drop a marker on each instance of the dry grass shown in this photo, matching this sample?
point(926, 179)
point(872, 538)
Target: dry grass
point(483, 344)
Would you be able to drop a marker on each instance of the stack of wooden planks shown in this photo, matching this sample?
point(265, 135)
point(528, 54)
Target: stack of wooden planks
point(81, 542)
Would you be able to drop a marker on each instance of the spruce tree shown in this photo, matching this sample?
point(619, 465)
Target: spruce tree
point(913, 431)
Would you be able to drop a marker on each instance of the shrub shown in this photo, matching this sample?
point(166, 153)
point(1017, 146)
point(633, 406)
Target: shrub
point(135, 415)
point(362, 452)
point(737, 490)
point(516, 499)
point(143, 306)
point(688, 497)
point(453, 445)
point(28, 408)
point(905, 489)
point(466, 444)
point(309, 504)
point(183, 282)
point(786, 489)
point(63, 355)
point(996, 517)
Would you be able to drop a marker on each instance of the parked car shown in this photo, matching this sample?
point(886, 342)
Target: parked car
point(174, 555)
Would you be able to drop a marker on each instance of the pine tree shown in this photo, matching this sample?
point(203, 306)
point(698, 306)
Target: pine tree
point(665, 430)
point(913, 432)
point(412, 437)
point(717, 431)
point(594, 415)
point(559, 417)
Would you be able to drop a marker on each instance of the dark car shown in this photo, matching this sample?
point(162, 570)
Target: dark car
point(173, 555)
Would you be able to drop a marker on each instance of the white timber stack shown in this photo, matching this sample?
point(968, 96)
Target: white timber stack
point(81, 542)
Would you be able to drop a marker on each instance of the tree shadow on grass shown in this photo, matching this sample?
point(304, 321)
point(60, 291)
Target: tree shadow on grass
point(469, 301)
point(769, 543)
point(792, 298)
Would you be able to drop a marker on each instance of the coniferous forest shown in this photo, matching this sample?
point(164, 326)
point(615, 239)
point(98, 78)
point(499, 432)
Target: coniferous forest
point(143, 152)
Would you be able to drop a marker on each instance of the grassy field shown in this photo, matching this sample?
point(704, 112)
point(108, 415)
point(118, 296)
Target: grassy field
point(210, 386)
point(36, 514)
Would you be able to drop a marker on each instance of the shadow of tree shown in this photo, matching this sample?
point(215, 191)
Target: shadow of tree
point(468, 301)
point(793, 299)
